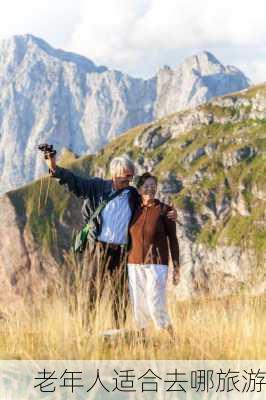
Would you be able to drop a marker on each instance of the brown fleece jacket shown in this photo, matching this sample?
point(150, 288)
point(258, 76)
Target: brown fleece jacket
point(149, 231)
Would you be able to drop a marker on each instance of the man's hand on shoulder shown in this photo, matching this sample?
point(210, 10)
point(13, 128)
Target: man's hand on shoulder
point(172, 214)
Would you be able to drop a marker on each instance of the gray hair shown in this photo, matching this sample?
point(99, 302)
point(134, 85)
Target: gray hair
point(119, 164)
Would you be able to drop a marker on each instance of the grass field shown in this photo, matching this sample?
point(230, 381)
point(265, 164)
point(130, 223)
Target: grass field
point(52, 327)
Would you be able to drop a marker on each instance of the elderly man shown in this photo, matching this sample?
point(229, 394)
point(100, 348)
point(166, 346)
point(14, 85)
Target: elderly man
point(106, 253)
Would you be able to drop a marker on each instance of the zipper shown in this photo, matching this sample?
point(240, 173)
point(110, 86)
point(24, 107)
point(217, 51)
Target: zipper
point(145, 215)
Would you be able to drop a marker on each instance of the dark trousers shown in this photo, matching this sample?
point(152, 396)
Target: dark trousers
point(108, 264)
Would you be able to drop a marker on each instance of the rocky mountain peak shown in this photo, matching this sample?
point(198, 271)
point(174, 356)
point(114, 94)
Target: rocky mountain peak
point(197, 80)
point(203, 63)
point(17, 47)
point(12, 52)
point(50, 95)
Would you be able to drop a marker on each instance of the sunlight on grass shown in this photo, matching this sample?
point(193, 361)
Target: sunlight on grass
point(59, 327)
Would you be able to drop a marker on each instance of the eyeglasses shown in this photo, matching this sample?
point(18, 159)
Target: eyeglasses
point(126, 177)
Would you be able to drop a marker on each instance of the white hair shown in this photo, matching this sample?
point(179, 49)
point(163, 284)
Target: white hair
point(119, 164)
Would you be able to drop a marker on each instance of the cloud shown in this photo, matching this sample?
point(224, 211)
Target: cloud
point(255, 69)
point(105, 31)
point(54, 21)
point(179, 23)
point(137, 35)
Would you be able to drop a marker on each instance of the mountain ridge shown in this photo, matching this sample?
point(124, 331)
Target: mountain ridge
point(70, 101)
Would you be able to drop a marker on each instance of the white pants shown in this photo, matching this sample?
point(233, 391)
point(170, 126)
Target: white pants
point(147, 286)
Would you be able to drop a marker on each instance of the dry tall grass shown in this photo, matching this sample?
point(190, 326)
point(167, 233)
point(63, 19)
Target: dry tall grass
point(52, 327)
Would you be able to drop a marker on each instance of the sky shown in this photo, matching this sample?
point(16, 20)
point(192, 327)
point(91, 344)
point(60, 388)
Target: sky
point(140, 36)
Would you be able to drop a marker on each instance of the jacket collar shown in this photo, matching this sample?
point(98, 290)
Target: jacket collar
point(153, 204)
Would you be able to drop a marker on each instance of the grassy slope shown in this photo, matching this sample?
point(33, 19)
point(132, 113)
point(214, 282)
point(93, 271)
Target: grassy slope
point(45, 222)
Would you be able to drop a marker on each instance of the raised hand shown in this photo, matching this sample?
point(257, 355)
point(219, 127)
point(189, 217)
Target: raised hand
point(49, 155)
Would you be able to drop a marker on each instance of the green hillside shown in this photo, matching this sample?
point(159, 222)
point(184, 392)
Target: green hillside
point(229, 160)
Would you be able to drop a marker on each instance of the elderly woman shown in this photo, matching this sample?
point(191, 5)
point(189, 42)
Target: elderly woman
point(152, 234)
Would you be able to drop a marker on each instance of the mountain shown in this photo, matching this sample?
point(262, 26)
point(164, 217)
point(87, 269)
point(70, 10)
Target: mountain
point(210, 162)
point(197, 80)
point(49, 95)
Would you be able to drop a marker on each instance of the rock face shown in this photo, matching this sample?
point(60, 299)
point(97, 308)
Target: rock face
point(195, 81)
point(28, 269)
point(238, 155)
point(48, 95)
point(170, 184)
point(193, 156)
point(220, 271)
point(152, 138)
point(25, 269)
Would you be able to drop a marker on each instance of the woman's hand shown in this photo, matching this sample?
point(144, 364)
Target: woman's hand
point(176, 276)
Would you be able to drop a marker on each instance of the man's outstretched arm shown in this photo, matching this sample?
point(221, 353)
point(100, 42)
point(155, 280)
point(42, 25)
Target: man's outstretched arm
point(81, 187)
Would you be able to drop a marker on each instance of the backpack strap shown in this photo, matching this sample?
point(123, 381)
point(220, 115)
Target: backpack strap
point(101, 206)
point(82, 236)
